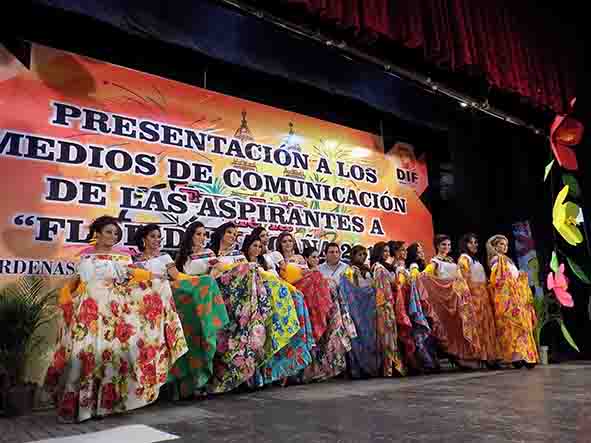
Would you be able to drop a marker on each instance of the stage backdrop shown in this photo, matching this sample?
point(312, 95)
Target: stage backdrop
point(80, 138)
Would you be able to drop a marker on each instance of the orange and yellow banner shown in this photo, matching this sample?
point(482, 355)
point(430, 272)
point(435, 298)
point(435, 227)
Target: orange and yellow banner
point(80, 138)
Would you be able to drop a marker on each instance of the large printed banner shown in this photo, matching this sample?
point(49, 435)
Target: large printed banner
point(80, 138)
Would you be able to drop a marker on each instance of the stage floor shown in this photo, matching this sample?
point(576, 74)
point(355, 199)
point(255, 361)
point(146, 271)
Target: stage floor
point(547, 404)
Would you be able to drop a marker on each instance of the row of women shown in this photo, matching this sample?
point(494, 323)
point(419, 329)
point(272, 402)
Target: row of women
point(219, 318)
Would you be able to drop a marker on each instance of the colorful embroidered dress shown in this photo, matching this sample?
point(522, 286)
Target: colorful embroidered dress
point(514, 312)
point(480, 299)
point(119, 338)
point(387, 331)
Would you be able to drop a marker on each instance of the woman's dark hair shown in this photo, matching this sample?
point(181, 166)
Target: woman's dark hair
point(97, 226)
point(141, 234)
point(248, 241)
point(280, 239)
point(464, 244)
point(354, 251)
point(186, 247)
point(377, 254)
point(215, 239)
point(440, 238)
point(256, 232)
point(395, 246)
point(308, 251)
point(391, 244)
point(412, 257)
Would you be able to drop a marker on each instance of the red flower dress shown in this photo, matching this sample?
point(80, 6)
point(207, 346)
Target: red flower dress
point(119, 337)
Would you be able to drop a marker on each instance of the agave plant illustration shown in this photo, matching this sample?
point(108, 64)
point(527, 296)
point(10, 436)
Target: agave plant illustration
point(315, 178)
point(341, 209)
point(26, 305)
point(339, 152)
point(216, 188)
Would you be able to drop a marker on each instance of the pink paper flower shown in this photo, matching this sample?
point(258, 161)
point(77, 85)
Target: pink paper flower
point(558, 283)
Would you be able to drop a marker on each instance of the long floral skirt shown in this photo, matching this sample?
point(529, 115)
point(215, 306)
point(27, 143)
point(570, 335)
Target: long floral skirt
point(515, 321)
point(449, 299)
point(422, 333)
point(329, 355)
point(116, 345)
point(363, 360)
point(241, 344)
point(203, 314)
point(485, 318)
point(316, 290)
point(292, 358)
point(404, 326)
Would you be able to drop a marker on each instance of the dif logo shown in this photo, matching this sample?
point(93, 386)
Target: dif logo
point(407, 177)
point(406, 173)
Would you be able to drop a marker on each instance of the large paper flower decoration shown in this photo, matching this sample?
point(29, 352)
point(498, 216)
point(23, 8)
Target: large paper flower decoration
point(558, 283)
point(565, 218)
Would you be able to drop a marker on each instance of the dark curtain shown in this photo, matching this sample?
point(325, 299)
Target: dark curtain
point(515, 45)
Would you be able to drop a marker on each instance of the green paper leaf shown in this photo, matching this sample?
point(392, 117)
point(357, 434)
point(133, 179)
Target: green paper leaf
point(554, 262)
point(573, 185)
point(578, 271)
point(548, 169)
point(539, 306)
point(567, 336)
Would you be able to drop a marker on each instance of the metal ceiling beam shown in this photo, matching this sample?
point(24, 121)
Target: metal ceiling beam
point(420, 80)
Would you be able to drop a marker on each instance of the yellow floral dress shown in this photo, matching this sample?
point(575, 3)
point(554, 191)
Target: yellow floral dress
point(514, 312)
point(480, 299)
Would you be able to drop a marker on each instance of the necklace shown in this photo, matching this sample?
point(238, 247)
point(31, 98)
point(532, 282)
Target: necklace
point(226, 250)
point(147, 256)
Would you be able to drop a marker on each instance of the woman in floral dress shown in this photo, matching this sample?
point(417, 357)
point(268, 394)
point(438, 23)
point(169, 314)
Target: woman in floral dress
point(330, 333)
point(422, 353)
point(474, 274)
point(120, 334)
point(198, 301)
point(356, 288)
point(241, 345)
point(450, 298)
point(513, 305)
point(387, 331)
point(289, 331)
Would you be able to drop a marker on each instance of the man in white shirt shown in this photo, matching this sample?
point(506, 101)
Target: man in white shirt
point(333, 267)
